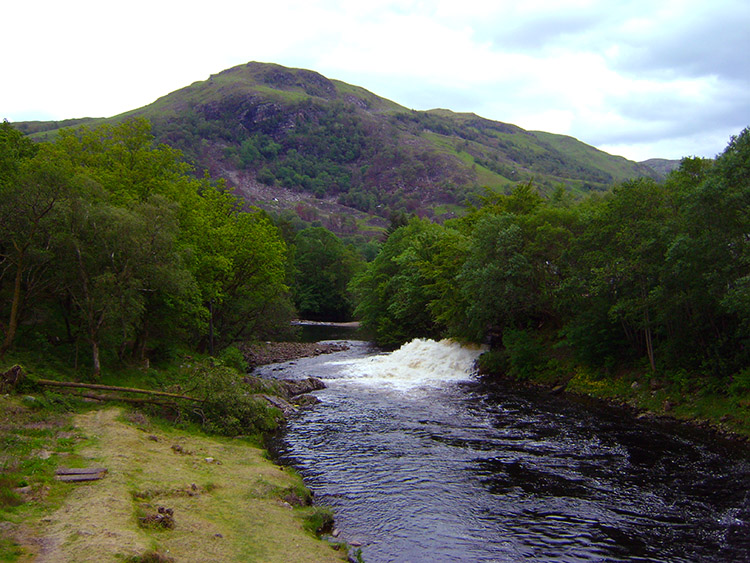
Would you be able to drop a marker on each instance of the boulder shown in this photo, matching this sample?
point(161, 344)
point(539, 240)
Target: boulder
point(302, 386)
point(306, 400)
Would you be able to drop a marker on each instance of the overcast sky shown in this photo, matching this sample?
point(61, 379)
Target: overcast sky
point(641, 79)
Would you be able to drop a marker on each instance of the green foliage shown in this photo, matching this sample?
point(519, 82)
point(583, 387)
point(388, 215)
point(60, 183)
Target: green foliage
point(229, 406)
point(110, 243)
point(650, 276)
point(232, 357)
point(740, 385)
point(493, 361)
point(319, 520)
point(405, 291)
point(324, 268)
point(526, 355)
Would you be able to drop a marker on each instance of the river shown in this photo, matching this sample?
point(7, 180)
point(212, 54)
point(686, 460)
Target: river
point(422, 463)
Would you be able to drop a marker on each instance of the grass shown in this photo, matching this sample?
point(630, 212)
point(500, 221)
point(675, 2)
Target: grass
point(36, 436)
point(725, 411)
point(619, 167)
point(227, 500)
point(230, 502)
point(680, 395)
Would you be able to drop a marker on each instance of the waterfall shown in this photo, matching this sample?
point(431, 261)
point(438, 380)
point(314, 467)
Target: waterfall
point(419, 363)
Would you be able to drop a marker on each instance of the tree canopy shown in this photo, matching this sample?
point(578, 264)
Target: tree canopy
point(652, 273)
point(110, 241)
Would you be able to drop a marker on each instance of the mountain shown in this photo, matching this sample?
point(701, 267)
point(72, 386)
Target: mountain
point(287, 137)
point(662, 166)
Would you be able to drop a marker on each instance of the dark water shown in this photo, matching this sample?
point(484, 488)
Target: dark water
point(423, 464)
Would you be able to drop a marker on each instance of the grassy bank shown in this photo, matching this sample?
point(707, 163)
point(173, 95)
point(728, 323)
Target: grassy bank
point(681, 399)
point(226, 501)
point(721, 405)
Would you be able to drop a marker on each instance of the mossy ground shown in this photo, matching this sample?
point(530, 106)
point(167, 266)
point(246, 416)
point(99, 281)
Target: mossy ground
point(225, 496)
point(663, 396)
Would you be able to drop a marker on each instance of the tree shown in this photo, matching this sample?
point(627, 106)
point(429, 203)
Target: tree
point(123, 160)
point(397, 291)
point(324, 268)
point(497, 278)
point(172, 307)
point(240, 266)
point(631, 232)
point(101, 258)
point(32, 183)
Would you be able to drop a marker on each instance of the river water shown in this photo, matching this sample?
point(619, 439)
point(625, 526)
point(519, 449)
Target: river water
point(421, 463)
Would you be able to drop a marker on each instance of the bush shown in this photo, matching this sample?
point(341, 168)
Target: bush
point(740, 383)
point(233, 358)
point(526, 355)
point(229, 405)
point(493, 362)
point(319, 520)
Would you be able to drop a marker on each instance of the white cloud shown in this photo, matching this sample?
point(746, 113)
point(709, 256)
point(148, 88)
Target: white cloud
point(660, 79)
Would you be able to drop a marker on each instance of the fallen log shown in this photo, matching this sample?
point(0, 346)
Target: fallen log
point(97, 386)
point(132, 400)
point(49, 382)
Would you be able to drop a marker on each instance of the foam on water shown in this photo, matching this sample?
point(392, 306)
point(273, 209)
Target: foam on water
point(419, 363)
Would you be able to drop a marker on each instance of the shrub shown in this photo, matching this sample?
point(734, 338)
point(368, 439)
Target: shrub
point(740, 383)
point(319, 520)
point(493, 362)
point(233, 358)
point(526, 355)
point(229, 406)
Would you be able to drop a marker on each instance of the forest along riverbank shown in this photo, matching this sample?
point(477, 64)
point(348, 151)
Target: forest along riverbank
point(420, 462)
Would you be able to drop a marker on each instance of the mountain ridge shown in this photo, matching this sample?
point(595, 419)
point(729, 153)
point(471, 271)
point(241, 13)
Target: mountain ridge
point(281, 136)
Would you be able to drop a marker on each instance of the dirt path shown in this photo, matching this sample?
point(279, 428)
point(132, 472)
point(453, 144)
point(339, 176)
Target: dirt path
point(224, 496)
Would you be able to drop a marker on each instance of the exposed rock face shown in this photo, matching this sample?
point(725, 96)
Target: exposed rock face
point(306, 400)
point(294, 394)
point(287, 395)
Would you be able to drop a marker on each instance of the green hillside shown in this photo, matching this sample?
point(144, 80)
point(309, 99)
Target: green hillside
point(282, 135)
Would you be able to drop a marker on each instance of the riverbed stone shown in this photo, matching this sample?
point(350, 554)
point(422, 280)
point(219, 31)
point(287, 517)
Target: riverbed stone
point(306, 400)
point(303, 386)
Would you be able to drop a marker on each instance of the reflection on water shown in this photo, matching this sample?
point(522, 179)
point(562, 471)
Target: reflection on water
point(421, 463)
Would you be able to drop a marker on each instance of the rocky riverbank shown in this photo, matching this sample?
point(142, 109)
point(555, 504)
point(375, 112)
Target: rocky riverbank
point(262, 353)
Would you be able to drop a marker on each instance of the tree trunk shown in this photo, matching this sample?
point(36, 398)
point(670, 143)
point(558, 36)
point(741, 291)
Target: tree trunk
point(95, 358)
point(211, 327)
point(139, 344)
point(14, 308)
point(649, 342)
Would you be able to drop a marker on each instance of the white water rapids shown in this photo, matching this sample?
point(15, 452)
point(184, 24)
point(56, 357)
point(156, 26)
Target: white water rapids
point(417, 364)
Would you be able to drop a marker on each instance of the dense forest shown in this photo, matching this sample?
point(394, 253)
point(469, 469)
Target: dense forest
point(649, 276)
point(113, 251)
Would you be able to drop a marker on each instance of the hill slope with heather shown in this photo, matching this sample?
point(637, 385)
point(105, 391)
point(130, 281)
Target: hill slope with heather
point(291, 138)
